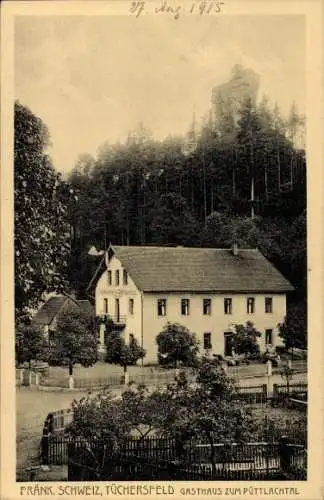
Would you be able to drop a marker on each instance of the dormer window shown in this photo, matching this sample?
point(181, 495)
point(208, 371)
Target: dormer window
point(117, 278)
point(125, 277)
point(109, 278)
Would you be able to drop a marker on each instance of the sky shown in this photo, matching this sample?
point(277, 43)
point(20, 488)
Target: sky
point(92, 79)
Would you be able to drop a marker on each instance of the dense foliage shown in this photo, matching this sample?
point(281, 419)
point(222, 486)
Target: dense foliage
point(240, 178)
point(292, 330)
point(197, 190)
point(41, 223)
point(30, 344)
point(245, 340)
point(75, 339)
point(176, 344)
point(204, 411)
point(121, 353)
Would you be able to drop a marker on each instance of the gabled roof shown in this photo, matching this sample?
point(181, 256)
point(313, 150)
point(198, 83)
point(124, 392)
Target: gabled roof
point(49, 310)
point(181, 269)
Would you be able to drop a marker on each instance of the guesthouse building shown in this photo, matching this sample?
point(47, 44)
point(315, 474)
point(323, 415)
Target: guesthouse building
point(207, 290)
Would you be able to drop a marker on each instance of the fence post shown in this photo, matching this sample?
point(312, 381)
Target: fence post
point(285, 455)
point(264, 393)
point(44, 447)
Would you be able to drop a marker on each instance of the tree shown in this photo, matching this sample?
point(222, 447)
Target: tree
point(245, 340)
point(176, 344)
point(204, 411)
point(287, 373)
point(171, 221)
point(75, 340)
point(30, 345)
point(293, 330)
point(41, 230)
point(120, 353)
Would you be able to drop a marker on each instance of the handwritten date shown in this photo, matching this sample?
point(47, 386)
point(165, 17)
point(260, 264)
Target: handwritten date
point(199, 7)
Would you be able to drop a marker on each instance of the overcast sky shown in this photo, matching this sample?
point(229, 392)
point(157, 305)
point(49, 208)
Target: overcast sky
point(92, 79)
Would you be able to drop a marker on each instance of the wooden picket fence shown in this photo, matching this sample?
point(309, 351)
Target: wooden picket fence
point(55, 446)
point(281, 393)
point(156, 459)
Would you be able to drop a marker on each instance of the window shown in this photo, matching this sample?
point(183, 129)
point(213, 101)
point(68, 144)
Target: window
point(185, 307)
point(228, 306)
point(268, 337)
point(125, 277)
point(250, 305)
point(117, 278)
point(131, 306)
point(207, 306)
point(109, 278)
point(207, 340)
point(268, 304)
point(105, 306)
point(131, 339)
point(161, 307)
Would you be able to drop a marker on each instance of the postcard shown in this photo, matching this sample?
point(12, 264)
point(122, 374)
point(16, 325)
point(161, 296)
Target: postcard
point(162, 249)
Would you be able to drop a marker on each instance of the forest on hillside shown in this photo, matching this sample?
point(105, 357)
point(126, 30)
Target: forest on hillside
point(242, 180)
point(239, 174)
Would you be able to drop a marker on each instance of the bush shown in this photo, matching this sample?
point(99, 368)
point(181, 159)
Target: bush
point(176, 346)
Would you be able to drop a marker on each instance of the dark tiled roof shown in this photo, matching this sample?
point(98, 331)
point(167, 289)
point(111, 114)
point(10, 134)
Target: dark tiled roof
point(49, 310)
point(157, 269)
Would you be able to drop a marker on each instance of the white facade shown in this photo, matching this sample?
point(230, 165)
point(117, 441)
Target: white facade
point(138, 311)
point(114, 300)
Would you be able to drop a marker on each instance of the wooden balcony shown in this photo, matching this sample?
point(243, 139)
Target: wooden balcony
point(118, 320)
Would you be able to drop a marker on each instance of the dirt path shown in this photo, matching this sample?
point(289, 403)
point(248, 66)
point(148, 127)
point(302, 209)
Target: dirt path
point(32, 407)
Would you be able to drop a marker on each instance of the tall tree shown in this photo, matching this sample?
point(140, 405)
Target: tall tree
point(41, 228)
point(172, 222)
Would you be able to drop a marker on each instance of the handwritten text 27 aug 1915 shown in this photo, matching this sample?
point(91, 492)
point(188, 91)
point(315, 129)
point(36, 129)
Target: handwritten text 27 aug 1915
point(176, 9)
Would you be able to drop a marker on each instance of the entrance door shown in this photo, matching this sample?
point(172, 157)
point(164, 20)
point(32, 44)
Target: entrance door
point(117, 310)
point(228, 344)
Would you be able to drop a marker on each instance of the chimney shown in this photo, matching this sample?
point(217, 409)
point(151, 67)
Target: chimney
point(235, 249)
